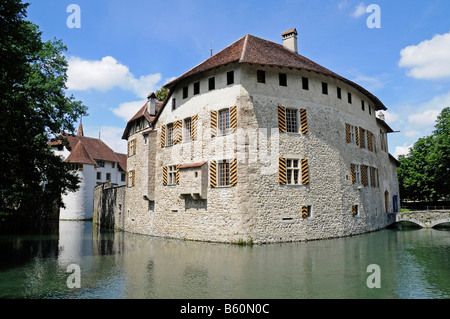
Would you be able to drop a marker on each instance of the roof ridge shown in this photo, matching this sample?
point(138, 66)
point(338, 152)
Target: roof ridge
point(244, 48)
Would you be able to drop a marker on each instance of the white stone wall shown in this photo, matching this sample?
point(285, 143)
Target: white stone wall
point(258, 207)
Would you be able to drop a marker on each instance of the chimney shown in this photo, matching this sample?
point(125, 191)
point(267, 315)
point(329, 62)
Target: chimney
point(151, 104)
point(290, 39)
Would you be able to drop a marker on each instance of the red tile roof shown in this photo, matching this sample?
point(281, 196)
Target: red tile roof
point(88, 150)
point(251, 49)
point(143, 112)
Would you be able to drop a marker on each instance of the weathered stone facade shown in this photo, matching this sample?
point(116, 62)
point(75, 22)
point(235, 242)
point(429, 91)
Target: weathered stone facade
point(175, 190)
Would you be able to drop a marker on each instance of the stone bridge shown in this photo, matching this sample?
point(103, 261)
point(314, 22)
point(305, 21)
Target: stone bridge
point(425, 219)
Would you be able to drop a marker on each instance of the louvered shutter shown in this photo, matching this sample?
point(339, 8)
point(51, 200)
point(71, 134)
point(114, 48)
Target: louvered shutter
point(165, 175)
point(133, 178)
point(303, 122)
point(213, 174)
point(128, 149)
point(233, 119)
point(354, 210)
point(163, 136)
point(194, 121)
point(213, 123)
point(357, 137)
point(128, 176)
point(364, 175)
point(135, 146)
point(177, 132)
point(305, 172)
point(361, 137)
point(282, 119)
point(233, 172)
point(347, 133)
point(369, 141)
point(304, 211)
point(353, 173)
point(282, 171)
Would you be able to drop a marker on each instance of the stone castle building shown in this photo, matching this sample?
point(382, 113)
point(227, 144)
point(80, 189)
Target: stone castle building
point(95, 163)
point(259, 143)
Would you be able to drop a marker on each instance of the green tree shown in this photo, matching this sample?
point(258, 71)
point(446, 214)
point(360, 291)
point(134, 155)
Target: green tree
point(34, 107)
point(424, 173)
point(162, 94)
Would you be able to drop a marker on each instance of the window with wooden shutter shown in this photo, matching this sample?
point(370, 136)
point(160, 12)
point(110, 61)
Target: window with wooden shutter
point(233, 172)
point(233, 119)
point(282, 119)
point(163, 136)
point(165, 175)
point(213, 174)
point(306, 211)
point(282, 171)
point(213, 123)
point(305, 172)
point(131, 178)
point(303, 122)
point(177, 132)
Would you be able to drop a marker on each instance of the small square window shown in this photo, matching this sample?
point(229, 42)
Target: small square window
point(370, 110)
point(349, 97)
point(99, 175)
point(212, 83)
point(172, 175)
point(305, 83)
point(339, 93)
point(108, 176)
point(355, 209)
point(282, 79)
point(306, 211)
point(185, 92)
point(196, 88)
point(224, 173)
point(230, 77)
point(292, 171)
point(363, 107)
point(261, 76)
point(122, 177)
point(324, 88)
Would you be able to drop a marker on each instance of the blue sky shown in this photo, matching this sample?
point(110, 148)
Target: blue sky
point(125, 49)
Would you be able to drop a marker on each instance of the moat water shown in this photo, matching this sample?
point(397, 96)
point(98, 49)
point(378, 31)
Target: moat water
point(82, 262)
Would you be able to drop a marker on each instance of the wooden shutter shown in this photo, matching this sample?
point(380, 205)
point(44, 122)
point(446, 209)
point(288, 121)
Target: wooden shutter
point(213, 174)
point(282, 119)
point(303, 122)
point(128, 149)
point(353, 173)
point(165, 175)
point(304, 211)
point(233, 119)
point(282, 171)
point(213, 123)
point(133, 178)
point(194, 121)
point(178, 175)
point(364, 175)
point(177, 132)
point(305, 172)
point(233, 172)
point(361, 137)
point(354, 210)
point(347, 133)
point(163, 136)
point(357, 135)
point(369, 141)
point(128, 176)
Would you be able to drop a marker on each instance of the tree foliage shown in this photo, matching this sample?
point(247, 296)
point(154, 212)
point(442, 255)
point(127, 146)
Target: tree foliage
point(161, 94)
point(424, 173)
point(34, 107)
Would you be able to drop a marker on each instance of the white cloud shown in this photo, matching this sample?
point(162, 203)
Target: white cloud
point(429, 60)
point(106, 74)
point(127, 110)
point(426, 118)
point(401, 150)
point(112, 136)
point(390, 117)
point(359, 10)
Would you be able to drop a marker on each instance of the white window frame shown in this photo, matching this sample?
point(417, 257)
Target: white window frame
point(293, 171)
point(223, 173)
point(169, 134)
point(224, 122)
point(187, 127)
point(171, 175)
point(291, 117)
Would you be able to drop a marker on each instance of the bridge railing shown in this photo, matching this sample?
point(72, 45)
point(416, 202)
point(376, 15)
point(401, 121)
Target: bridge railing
point(426, 208)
